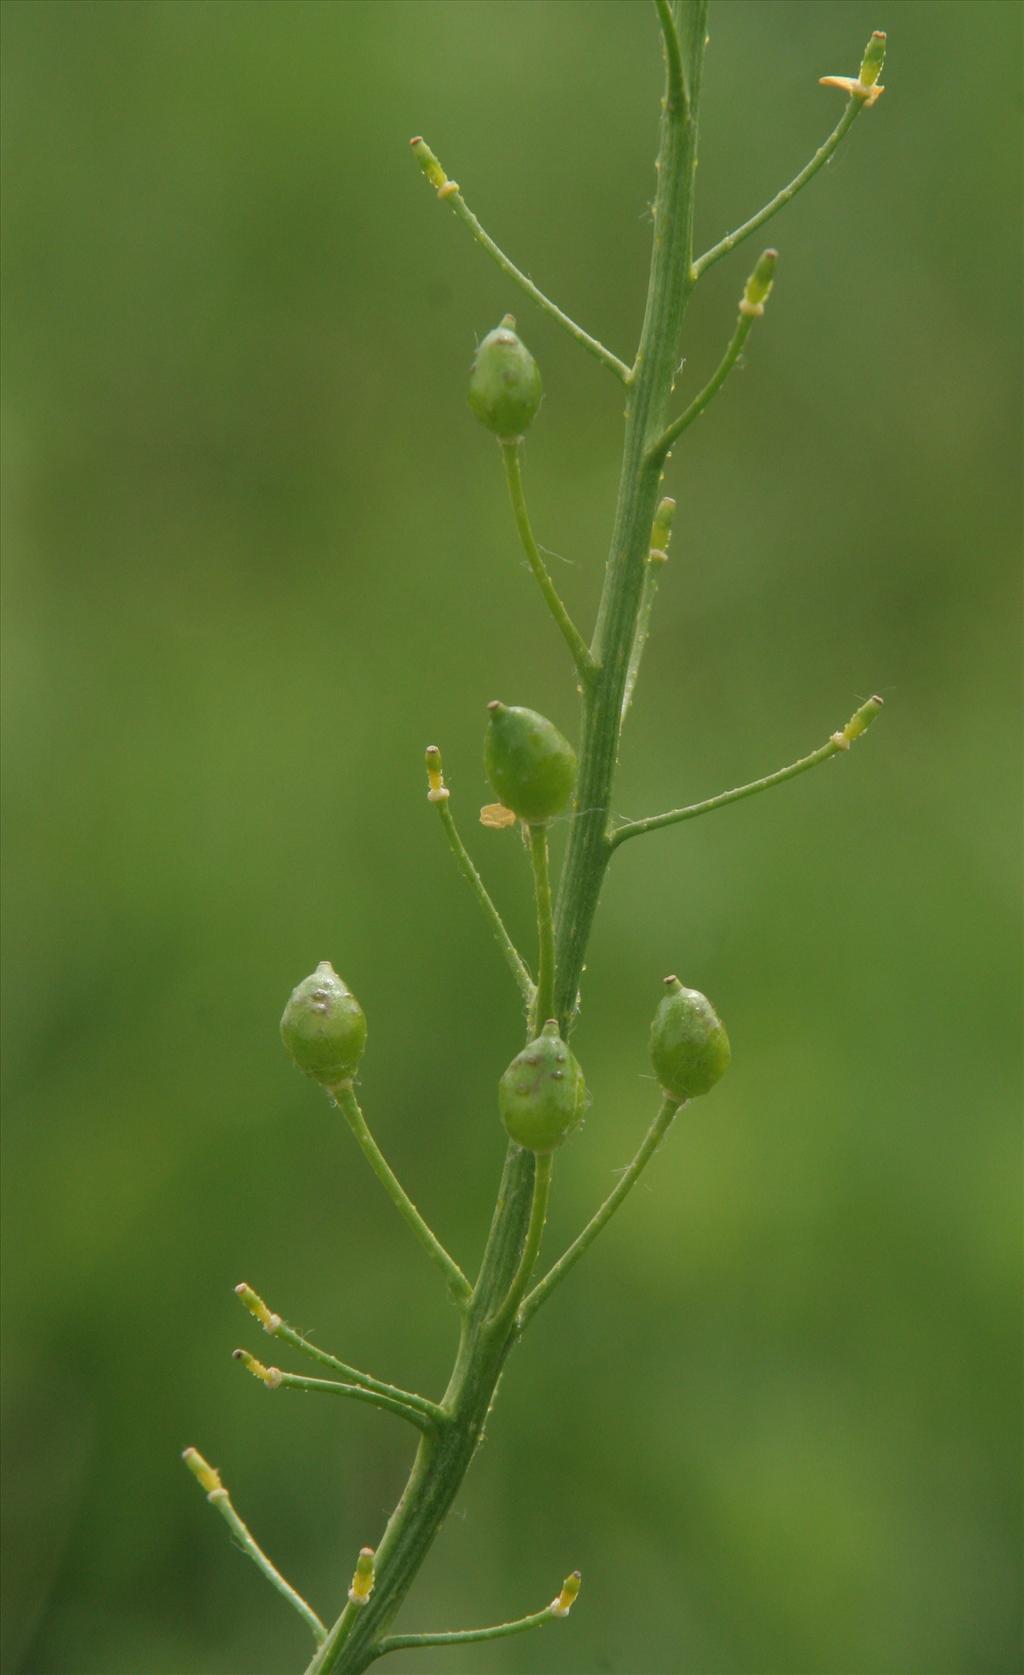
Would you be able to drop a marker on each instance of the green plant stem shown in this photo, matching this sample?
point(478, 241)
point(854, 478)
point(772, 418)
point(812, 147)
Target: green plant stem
point(352, 1375)
point(836, 745)
point(669, 287)
point(731, 240)
point(673, 51)
point(277, 1328)
point(345, 1097)
point(531, 1244)
point(627, 1180)
point(544, 998)
point(643, 628)
point(442, 1461)
point(509, 269)
point(675, 430)
point(424, 1420)
point(510, 452)
point(220, 1499)
point(512, 957)
point(462, 1637)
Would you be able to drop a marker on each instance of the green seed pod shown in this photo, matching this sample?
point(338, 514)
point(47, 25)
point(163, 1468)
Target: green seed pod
point(323, 1027)
point(504, 385)
point(531, 766)
point(542, 1094)
point(689, 1047)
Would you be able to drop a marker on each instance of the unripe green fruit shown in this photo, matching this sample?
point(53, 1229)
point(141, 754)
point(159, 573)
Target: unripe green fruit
point(504, 385)
point(542, 1094)
point(531, 766)
point(689, 1047)
point(323, 1027)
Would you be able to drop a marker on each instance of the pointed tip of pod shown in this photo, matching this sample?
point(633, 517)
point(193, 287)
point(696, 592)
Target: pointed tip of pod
point(496, 705)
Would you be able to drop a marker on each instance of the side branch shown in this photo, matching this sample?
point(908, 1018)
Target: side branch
point(673, 53)
point(752, 302)
point(627, 1180)
point(661, 535)
point(544, 998)
point(344, 1097)
point(275, 1379)
point(559, 1607)
point(585, 665)
point(209, 1479)
point(450, 190)
point(864, 91)
point(275, 1327)
point(439, 795)
point(858, 723)
point(531, 1243)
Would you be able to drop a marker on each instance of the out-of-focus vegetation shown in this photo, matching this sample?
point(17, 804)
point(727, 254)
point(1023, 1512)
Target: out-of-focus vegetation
point(257, 555)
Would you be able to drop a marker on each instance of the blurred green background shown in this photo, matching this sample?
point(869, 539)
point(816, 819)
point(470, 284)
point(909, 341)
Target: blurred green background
point(257, 555)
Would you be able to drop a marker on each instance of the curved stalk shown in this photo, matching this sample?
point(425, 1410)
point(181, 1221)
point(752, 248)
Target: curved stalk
point(544, 999)
point(531, 1244)
point(510, 953)
point(853, 108)
point(627, 1180)
point(209, 1479)
point(510, 452)
point(344, 1096)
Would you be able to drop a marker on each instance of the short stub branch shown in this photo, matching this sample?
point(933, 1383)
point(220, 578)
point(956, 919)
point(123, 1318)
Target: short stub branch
point(559, 1607)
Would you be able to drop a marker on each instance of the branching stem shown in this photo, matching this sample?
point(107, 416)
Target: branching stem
point(531, 1244)
point(510, 953)
point(643, 628)
point(676, 82)
point(627, 1180)
point(452, 192)
point(839, 742)
point(499, 1303)
point(344, 1097)
point(585, 665)
point(463, 1637)
point(218, 1497)
point(544, 999)
point(781, 199)
point(277, 1328)
point(670, 437)
point(425, 1416)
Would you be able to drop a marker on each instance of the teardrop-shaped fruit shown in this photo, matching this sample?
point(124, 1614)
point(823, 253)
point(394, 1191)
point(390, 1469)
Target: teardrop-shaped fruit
point(542, 1094)
point(323, 1027)
point(504, 385)
point(689, 1047)
point(530, 765)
